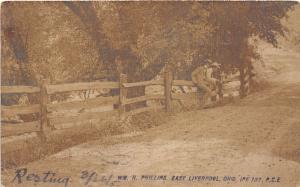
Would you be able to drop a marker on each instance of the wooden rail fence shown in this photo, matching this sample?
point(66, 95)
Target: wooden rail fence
point(11, 129)
point(55, 115)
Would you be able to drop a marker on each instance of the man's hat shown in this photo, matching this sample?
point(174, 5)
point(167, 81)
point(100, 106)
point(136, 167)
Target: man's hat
point(215, 64)
point(209, 61)
point(212, 63)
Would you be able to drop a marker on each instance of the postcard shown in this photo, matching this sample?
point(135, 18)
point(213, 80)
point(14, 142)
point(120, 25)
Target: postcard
point(150, 93)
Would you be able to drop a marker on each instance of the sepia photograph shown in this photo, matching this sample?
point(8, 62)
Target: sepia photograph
point(150, 93)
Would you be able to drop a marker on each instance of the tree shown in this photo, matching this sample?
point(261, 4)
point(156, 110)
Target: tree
point(74, 41)
point(16, 41)
point(57, 46)
point(236, 23)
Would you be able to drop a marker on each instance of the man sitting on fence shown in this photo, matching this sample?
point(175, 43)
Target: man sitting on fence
point(202, 77)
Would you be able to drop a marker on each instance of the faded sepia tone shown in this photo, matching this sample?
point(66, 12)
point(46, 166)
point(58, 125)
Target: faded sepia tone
point(150, 94)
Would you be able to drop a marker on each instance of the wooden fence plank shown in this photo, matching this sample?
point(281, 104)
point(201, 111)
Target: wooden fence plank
point(43, 107)
point(220, 84)
point(90, 103)
point(82, 117)
point(122, 95)
point(51, 89)
point(14, 129)
point(19, 89)
point(242, 81)
point(19, 109)
point(143, 98)
point(168, 80)
point(143, 83)
point(144, 109)
point(182, 83)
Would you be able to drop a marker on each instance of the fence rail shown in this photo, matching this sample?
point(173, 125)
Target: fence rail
point(19, 89)
point(182, 83)
point(143, 98)
point(144, 83)
point(51, 89)
point(46, 108)
point(19, 109)
point(86, 104)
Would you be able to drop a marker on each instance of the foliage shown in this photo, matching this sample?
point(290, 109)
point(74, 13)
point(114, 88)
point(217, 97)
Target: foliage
point(237, 23)
point(83, 41)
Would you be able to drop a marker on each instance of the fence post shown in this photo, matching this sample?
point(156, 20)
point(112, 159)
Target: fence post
point(245, 79)
point(123, 94)
point(251, 75)
point(220, 78)
point(168, 87)
point(43, 103)
point(242, 81)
